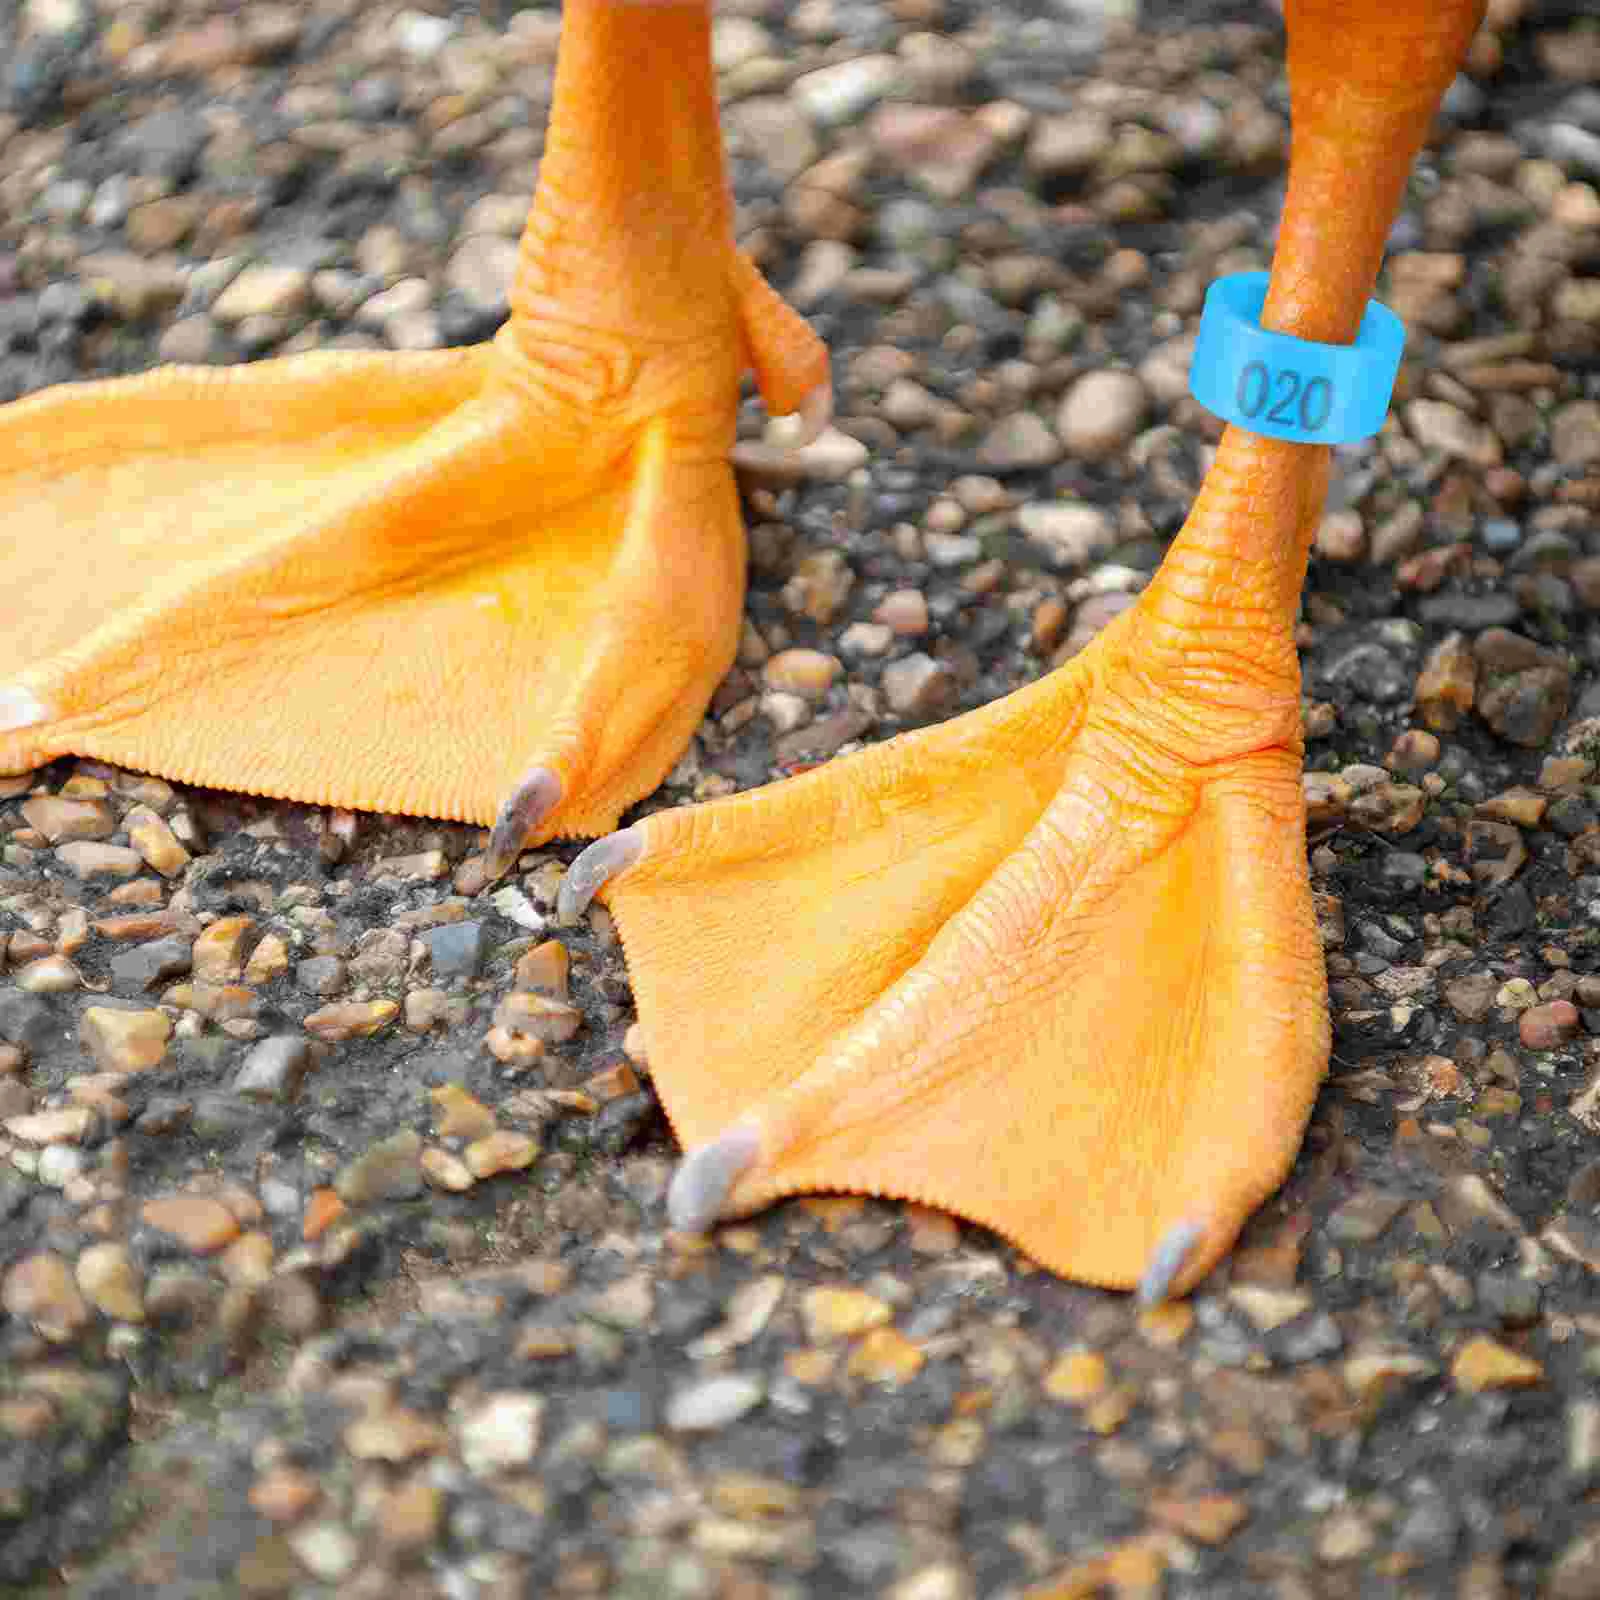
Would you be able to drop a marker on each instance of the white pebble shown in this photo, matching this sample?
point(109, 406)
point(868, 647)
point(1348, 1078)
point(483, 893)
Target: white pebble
point(713, 1403)
point(503, 1432)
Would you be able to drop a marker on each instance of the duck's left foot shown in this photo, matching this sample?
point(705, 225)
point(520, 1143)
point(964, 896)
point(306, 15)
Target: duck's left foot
point(1051, 966)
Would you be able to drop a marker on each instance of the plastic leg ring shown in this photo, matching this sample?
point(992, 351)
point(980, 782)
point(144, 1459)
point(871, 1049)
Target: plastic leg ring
point(1287, 388)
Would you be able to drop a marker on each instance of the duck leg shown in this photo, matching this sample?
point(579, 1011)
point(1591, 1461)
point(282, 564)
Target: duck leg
point(1053, 965)
point(494, 582)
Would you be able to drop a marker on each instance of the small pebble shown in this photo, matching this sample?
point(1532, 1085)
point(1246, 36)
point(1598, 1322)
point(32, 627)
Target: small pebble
point(1100, 415)
point(1482, 1363)
point(351, 1019)
point(835, 1313)
point(808, 673)
point(273, 1069)
point(204, 1225)
point(39, 1290)
point(386, 1170)
point(125, 1041)
point(1547, 1026)
point(501, 1433)
point(712, 1403)
point(110, 1281)
point(502, 1151)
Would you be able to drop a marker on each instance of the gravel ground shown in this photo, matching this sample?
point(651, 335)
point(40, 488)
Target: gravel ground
point(333, 1258)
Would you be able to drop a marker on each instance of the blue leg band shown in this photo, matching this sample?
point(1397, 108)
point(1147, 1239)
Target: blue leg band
point(1289, 388)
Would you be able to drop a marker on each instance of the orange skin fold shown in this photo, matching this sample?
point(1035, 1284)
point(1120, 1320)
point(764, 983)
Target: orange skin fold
point(1051, 965)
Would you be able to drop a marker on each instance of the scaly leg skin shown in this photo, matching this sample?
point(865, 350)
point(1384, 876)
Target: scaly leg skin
point(1053, 965)
point(497, 582)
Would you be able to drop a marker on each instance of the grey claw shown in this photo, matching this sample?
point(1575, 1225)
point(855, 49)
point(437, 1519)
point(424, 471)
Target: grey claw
point(533, 799)
point(595, 868)
point(704, 1176)
point(1166, 1261)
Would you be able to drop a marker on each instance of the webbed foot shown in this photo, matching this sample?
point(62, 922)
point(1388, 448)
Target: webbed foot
point(488, 584)
point(1053, 965)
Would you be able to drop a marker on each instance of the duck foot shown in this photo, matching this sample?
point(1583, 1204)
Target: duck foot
point(491, 585)
point(1051, 966)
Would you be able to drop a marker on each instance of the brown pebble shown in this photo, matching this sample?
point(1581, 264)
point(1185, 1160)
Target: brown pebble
point(611, 1083)
point(40, 1290)
point(394, 1434)
point(1077, 1376)
point(86, 859)
point(1518, 805)
point(1544, 1027)
point(270, 960)
point(459, 1115)
point(903, 612)
point(156, 842)
point(125, 1041)
point(409, 1516)
point(283, 1494)
point(1049, 622)
point(323, 1209)
point(445, 1171)
point(1341, 536)
point(1167, 1326)
point(538, 1016)
point(1446, 689)
point(110, 1281)
point(918, 686)
point(1100, 414)
point(203, 1224)
point(502, 1151)
point(218, 954)
point(248, 1260)
point(63, 1125)
point(514, 1049)
point(1415, 751)
point(807, 673)
point(60, 820)
point(832, 1313)
point(887, 1357)
point(1207, 1518)
point(351, 1019)
point(931, 1233)
point(425, 1010)
point(137, 926)
point(544, 969)
point(49, 975)
point(1483, 1363)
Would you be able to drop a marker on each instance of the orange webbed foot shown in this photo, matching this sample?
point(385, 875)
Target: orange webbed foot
point(496, 584)
point(1051, 966)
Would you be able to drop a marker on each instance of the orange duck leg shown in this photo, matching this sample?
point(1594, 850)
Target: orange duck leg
point(1052, 966)
point(500, 581)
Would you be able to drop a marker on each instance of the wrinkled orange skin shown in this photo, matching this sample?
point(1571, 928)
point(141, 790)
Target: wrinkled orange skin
point(1051, 965)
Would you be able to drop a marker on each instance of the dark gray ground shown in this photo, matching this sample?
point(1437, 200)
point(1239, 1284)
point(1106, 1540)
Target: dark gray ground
point(469, 1384)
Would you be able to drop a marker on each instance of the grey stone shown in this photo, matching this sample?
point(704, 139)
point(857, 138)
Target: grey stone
point(387, 1170)
point(1452, 609)
point(28, 1020)
point(320, 975)
point(456, 949)
point(274, 1068)
point(146, 965)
